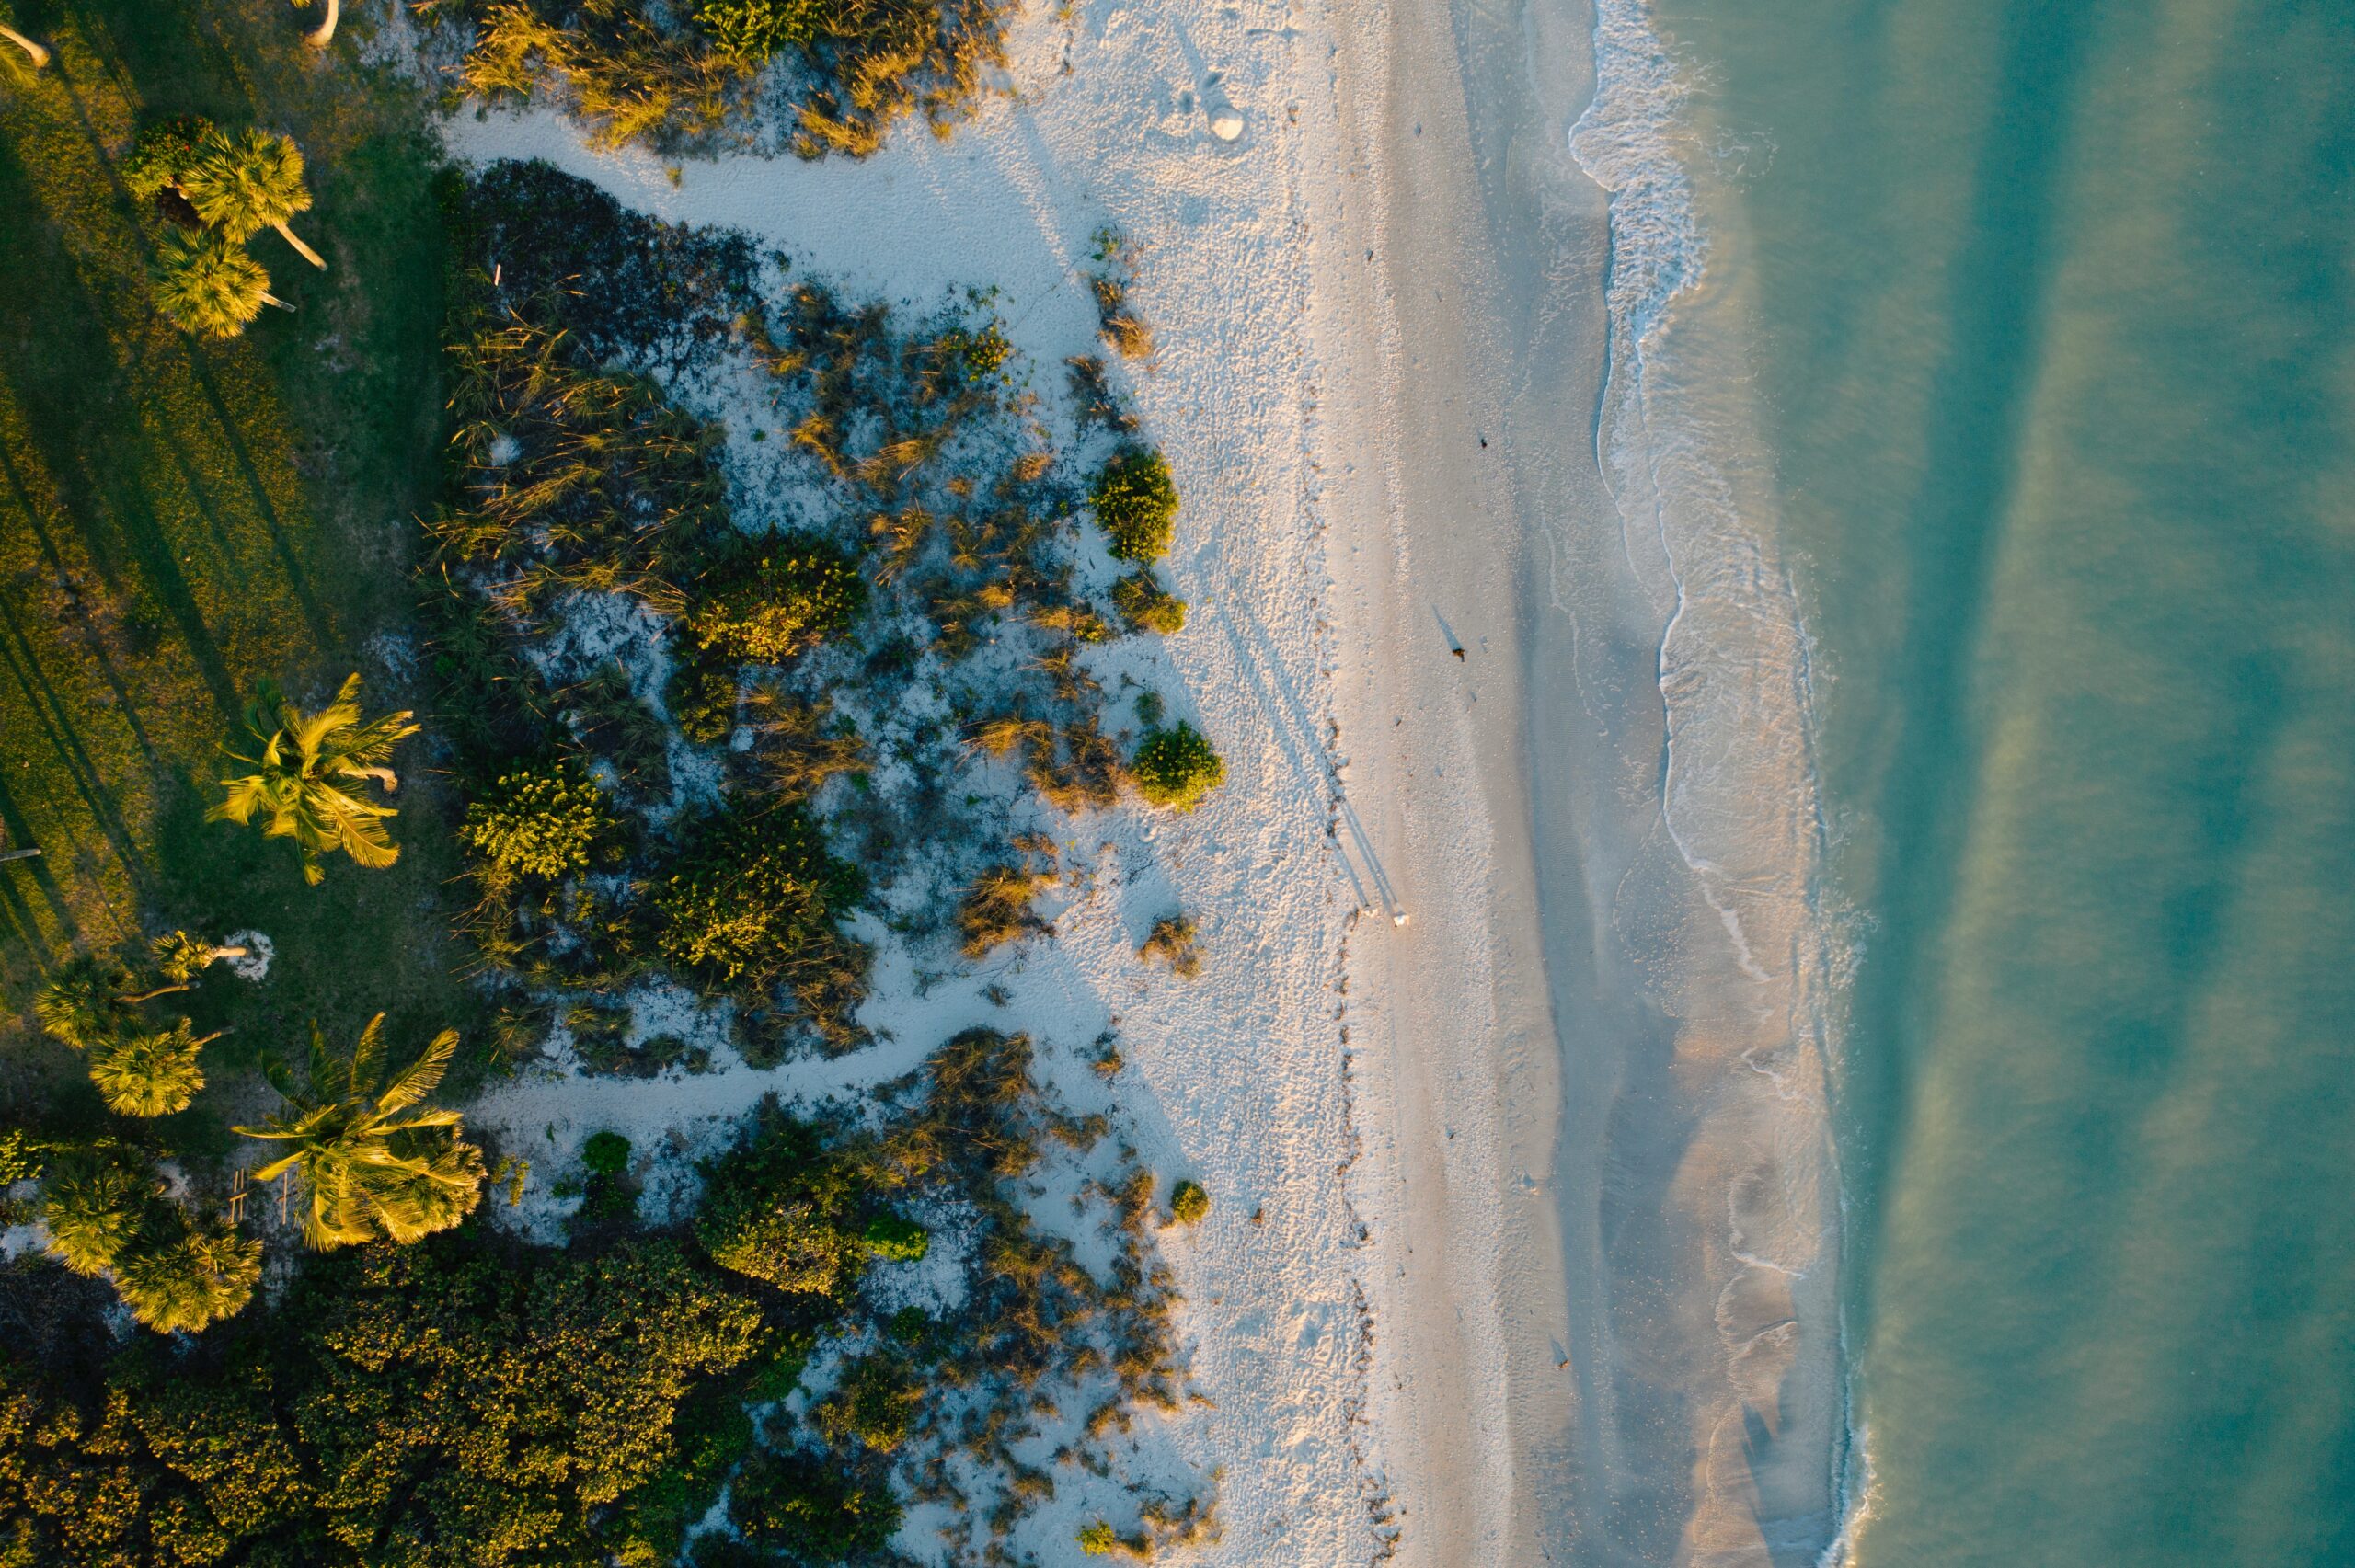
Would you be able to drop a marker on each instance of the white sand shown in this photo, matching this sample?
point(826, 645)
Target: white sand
point(1494, 1313)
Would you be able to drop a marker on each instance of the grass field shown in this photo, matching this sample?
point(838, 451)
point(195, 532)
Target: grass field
point(178, 519)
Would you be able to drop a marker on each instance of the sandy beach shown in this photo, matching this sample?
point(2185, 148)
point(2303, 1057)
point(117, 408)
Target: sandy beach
point(1465, 1072)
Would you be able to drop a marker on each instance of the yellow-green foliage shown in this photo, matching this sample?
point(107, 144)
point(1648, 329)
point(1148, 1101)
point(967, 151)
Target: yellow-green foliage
point(538, 822)
point(752, 901)
point(1148, 606)
point(1189, 1203)
point(153, 1074)
point(1176, 767)
point(1136, 504)
point(433, 1405)
point(797, 595)
point(1174, 941)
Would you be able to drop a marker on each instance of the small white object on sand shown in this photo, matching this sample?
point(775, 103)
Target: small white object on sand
point(1227, 122)
point(1399, 919)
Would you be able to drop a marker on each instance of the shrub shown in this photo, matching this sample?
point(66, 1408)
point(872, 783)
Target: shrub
point(875, 1404)
point(162, 153)
point(702, 697)
point(774, 1210)
point(538, 822)
point(605, 1153)
point(1173, 942)
point(1099, 1539)
point(20, 1157)
point(804, 1506)
point(1136, 504)
point(1176, 767)
point(1147, 606)
point(796, 596)
point(895, 1240)
point(751, 898)
point(1189, 1203)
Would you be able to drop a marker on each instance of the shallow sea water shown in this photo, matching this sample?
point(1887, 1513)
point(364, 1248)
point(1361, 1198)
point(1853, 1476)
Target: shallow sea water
point(2048, 316)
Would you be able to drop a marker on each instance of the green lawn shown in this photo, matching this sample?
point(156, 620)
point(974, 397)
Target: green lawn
point(179, 519)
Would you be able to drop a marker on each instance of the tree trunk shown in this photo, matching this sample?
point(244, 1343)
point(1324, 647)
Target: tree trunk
point(41, 56)
point(221, 953)
point(149, 995)
point(313, 256)
point(274, 300)
point(326, 32)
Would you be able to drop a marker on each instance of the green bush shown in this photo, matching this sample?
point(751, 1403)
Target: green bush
point(162, 153)
point(1147, 606)
point(1136, 504)
point(753, 897)
point(1176, 767)
point(702, 697)
point(539, 822)
point(805, 1506)
point(798, 595)
point(1099, 1539)
point(895, 1240)
point(778, 1207)
point(876, 1404)
point(1189, 1203)
point(605, 1153)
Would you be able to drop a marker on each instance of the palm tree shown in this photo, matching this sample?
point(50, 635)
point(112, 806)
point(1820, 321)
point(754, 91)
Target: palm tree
point(324, 34)
point(183, 1273)
point(248, 181)
point(88, 1004)
point(150, 1075)
point(183, 956)
point(39, 55)
point(373, 1166)
point(95, 1202)
point(208, 286)
point(305, 762)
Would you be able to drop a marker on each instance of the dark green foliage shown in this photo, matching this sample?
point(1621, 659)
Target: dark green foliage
point(752, 904)
point(701, 696)
point(1147, 605)
point(542, 821)
point(1136, 504)
point(627, 284)
point(806, 1506)
point(1176, 767)
point(612, 722)
point(792, 598)
point(605, 1153)
point(875, 1405)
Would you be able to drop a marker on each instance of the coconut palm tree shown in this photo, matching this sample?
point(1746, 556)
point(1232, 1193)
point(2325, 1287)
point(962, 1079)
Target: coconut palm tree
point(307, 760)
point(247, 181)
point(182, 956)
point(39, 55)
point(150, 1075)
point(208, 286)
point(183, 1273)
point(95, 1201)
point(373, 1164)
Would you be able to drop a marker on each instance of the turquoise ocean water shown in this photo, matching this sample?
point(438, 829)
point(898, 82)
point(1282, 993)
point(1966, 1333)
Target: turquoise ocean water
point(2045, 315)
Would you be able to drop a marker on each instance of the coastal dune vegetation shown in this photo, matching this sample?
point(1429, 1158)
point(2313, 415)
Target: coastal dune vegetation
point(670, 706)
